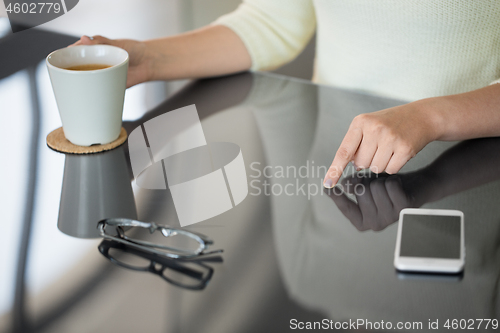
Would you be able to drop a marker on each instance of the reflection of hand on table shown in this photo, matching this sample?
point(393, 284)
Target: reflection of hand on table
point(381, 197)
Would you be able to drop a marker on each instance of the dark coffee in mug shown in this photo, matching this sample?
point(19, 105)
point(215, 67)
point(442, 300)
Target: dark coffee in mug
point(88, 67)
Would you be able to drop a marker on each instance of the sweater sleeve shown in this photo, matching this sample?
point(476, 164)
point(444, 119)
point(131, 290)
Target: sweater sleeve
point(495, 82)
point(273, 31)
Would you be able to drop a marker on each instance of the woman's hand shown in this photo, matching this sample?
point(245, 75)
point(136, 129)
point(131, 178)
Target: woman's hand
point(384, 140)
point(140, 60)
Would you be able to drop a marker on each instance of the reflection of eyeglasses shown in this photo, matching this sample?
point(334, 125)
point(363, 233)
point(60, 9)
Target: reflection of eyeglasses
point(193, 245)
point(187, 274)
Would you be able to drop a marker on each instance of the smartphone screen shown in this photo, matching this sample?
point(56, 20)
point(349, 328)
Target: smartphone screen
point(430, 236)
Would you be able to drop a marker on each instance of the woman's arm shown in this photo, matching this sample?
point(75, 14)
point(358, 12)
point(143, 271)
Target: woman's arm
point(469, 115)
point(260, 34)
point(210, 51)
point(385, 140)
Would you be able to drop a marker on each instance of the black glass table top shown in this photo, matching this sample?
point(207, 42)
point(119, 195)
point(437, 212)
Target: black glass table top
point(293, 253)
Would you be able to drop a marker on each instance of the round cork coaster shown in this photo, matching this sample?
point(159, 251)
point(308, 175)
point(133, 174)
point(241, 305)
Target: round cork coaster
point(58, 142)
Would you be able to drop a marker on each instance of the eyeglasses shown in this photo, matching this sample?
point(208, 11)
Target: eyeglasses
point(184, 237)
point(186, 274)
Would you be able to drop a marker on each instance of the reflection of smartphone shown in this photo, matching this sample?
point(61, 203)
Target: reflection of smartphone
point(430, 240)
point(424, 276)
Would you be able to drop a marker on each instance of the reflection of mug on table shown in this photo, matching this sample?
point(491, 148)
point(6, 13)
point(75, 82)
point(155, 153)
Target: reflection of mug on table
point(89, 84)
point(95, 186)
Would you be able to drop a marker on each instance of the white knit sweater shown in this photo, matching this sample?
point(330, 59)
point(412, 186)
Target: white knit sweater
point(406, 49)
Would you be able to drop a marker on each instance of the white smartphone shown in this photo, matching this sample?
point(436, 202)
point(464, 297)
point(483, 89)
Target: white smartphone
point(430, 240)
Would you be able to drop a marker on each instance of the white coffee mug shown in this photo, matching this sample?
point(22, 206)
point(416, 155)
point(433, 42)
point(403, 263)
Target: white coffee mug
point(90, 102)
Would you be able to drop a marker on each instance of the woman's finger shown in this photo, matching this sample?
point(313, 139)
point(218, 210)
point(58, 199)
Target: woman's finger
point(381, 159)
point(84, 40)
point(364, 155)
point(344, 155)
point(97, 39)
point(398, 160)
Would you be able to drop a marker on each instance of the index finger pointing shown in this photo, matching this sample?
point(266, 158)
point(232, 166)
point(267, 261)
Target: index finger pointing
point(344, 155)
